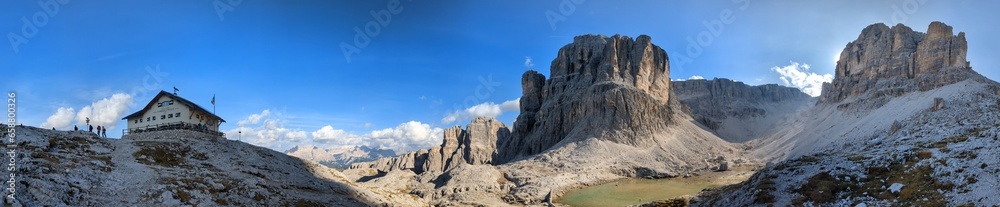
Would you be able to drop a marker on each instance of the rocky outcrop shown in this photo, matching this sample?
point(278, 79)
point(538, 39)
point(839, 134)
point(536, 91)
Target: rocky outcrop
point(481, 183)
point(409, 161)
point(938, 104)
point(895, 127)
point(476, 144)
point(886, 62)
point(482, 148)
point(612, 88)
point(735, 111)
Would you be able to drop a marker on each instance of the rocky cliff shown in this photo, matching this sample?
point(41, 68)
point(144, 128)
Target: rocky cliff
point(613, 88)
point(738, 112)
point(476, 144)
point(887, 62)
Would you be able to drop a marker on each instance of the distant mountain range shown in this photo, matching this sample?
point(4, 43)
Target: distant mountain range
point(339, 158)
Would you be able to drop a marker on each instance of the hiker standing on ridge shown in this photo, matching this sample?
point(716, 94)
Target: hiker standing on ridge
point(91, 128)
point(104, 132)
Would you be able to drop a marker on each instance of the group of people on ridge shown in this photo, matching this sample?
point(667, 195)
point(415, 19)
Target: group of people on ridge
point(101, 131)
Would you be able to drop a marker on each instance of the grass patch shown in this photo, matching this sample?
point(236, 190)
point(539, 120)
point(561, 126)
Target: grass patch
point(820, 188)
point(307, 203)
point(184, 196)
point(106, 160)
point(968, 155)
point(199, 156)
point(923, 155)
point(676, 202)
point(258, 197)
point(163, 154)
point(764, 189)
point(858, 158)
point(919, 184)
point(221, 202)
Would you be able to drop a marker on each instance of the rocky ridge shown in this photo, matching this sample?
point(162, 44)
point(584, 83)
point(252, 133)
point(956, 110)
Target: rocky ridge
point(738, 112)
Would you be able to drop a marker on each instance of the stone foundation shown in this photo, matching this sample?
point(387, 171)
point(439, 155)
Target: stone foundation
point(172, 135)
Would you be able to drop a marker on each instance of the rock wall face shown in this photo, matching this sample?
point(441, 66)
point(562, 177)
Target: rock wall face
point(737, 112)
point(724, 89)
point(612, 88)
point(886, 61)
point(476, 144)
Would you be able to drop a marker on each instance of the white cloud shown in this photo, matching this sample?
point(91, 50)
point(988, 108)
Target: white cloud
point(797, 75)
point(527, 62)
point(296, 135)
point(367, 125)
point(254, 118)
point(327, 132)
point(267, 130)
point(696, 78)
point(62, 119)
point(105, 112)
point(488, 109)
point(511, 105)
point(406, 137)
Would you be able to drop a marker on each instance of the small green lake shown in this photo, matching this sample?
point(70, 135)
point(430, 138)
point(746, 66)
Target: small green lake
point(633, 191)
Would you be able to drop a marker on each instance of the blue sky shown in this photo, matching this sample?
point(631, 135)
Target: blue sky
point(281, 76)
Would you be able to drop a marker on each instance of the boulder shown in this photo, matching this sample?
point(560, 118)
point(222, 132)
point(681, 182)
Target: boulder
point(895, 127)
point(938, 104)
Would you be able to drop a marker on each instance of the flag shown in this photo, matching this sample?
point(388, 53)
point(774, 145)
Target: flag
point(213, 99)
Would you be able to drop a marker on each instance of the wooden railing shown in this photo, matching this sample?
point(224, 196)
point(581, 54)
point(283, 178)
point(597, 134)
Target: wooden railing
point(172, 126)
